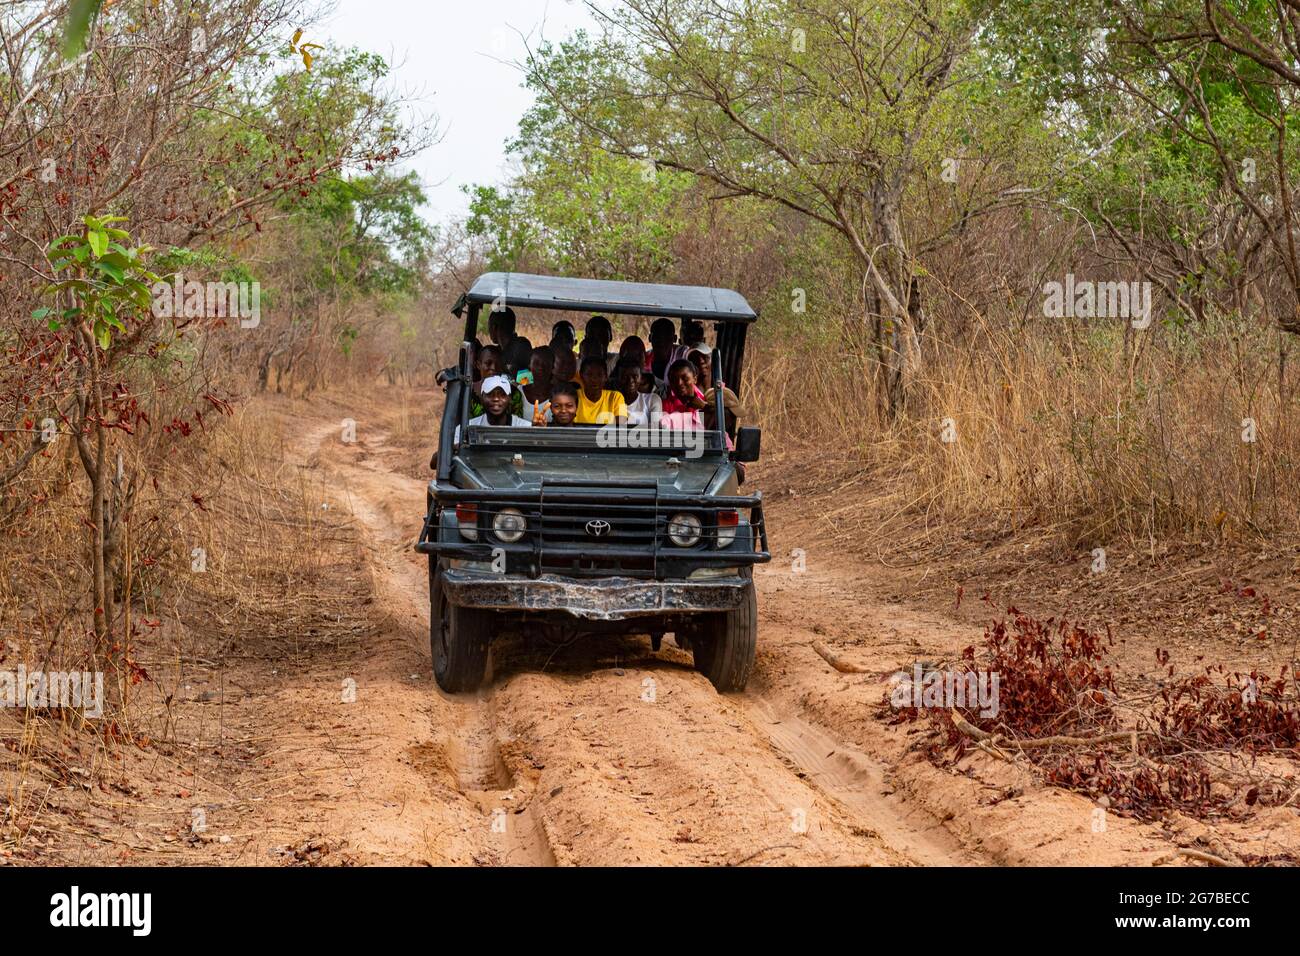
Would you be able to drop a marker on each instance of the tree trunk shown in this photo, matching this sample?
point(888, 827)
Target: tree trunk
point(890, 272)
point(94, 461)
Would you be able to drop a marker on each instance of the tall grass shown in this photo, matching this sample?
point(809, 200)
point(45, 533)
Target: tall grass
point(1089, 429)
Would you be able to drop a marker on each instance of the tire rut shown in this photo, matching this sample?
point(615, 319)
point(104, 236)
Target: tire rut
point(860, 785)
point(512, 834)
point(517, 836)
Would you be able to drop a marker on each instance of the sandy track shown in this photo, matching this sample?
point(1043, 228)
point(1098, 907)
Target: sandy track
point(602, 752)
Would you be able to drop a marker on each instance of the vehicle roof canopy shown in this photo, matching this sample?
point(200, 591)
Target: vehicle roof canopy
point(603, 295)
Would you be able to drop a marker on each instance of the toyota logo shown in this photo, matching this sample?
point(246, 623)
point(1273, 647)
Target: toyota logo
point(598, 528)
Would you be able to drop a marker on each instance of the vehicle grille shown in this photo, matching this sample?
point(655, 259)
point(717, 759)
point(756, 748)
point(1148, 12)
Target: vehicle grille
point(583, 539)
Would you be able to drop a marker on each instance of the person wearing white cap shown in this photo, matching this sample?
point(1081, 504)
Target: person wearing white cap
point(496, 404)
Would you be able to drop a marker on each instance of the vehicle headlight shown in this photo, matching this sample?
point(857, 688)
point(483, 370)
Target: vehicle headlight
point(727, 523)
point(509, 525)
point(684, 530)
point(467, 518)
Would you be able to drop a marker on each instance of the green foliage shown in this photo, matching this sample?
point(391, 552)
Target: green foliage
point(367, 232)
point(76, 26)
point(591, 214)
point(106, 280)
point(576, 207)
point(280, 130)
point(846, 113)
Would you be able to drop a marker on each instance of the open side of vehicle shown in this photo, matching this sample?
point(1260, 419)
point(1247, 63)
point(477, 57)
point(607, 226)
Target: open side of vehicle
point(594, 529)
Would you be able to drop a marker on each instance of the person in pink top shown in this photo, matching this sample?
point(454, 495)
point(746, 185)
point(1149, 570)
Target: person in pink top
point(684, 401)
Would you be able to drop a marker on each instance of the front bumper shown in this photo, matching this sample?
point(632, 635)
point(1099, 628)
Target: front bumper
point(606, 599)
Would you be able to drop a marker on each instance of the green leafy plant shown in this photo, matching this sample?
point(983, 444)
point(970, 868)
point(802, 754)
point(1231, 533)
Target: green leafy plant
point(105, 283)
point(105, 279)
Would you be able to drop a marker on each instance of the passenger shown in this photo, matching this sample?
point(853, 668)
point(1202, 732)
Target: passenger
point(731, 407)
point(488, 366)
point(692, 335)
point(598, 329)
point(445, 375)
point(598, 405)
point(564, 404)
point(541, 366)
point(516, 354)
point(632, 350)
point(563, 332)
point(497, 393)
point(592, 348)
point(643, 408)
point(501, 327)
point(487, 362)
point(663, 342)
point(566, 365)
point(684, 401)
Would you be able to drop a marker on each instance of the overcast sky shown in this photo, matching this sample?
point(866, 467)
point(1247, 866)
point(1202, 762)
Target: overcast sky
point(447, 56)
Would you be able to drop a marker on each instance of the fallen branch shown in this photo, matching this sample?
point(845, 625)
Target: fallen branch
point(1201, 855)
point(970, 730)
point(843, 666)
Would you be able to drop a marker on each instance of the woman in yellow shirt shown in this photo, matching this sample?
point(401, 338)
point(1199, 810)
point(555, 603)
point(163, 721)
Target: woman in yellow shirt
point(598, 405)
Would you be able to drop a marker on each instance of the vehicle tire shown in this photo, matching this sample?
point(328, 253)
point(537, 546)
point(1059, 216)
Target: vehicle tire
point(725, 644)
point(459, 638)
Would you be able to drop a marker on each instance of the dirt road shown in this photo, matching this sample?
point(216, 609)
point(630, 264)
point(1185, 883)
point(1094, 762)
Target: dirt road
point(604, 752)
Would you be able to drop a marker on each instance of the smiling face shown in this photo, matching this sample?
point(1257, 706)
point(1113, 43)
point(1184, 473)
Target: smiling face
point(683, 383)
point(495, 403)
point(704, 362)
point(563, 410)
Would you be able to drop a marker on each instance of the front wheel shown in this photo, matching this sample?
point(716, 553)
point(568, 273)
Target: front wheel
point(725, 644)
point(458, 637)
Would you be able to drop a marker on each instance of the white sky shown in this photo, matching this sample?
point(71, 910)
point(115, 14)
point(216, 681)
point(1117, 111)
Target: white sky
point(447, 58)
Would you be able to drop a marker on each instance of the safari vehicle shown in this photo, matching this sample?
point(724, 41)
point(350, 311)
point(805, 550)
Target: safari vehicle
point(565, 532)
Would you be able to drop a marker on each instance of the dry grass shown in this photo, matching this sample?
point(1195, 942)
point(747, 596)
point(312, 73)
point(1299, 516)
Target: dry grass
point(1092, 434)
point(280, 582)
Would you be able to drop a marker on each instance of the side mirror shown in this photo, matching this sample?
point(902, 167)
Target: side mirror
point(748, 443)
